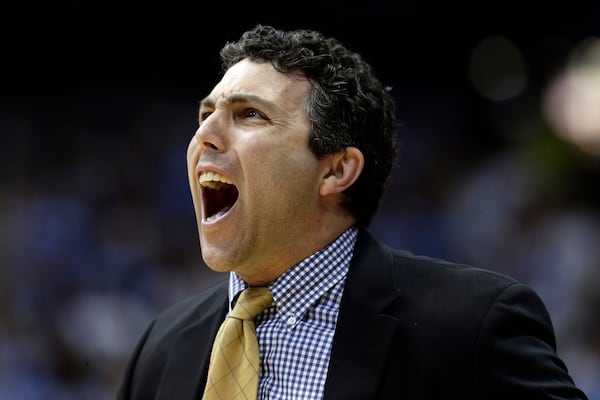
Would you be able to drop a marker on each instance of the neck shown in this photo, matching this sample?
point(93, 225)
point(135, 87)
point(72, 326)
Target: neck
point(294, 252)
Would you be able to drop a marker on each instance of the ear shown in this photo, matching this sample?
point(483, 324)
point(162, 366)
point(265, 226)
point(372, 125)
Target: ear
point(341, 170)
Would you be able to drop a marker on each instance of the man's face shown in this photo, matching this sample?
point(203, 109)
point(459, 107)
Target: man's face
point(254, 180)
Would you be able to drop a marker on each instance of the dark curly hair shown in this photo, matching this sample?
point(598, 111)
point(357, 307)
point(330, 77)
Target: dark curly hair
point(348, 105)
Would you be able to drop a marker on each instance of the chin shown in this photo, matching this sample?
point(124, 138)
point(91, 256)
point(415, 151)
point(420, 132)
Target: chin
point(216, 267)
point(216, 262)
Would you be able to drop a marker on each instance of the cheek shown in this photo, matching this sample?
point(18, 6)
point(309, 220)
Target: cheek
point(296, 174)
point(192, 155)
point(279, 164)
point(192, 159)
point(192, 146)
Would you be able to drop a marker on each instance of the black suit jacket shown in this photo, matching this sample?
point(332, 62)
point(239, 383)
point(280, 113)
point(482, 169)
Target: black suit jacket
point(409, 328)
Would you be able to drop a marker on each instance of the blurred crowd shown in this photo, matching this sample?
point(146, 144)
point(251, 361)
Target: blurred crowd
point(97, 230)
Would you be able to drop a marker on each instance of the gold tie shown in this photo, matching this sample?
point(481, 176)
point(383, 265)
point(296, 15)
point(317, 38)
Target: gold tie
point(234, 361)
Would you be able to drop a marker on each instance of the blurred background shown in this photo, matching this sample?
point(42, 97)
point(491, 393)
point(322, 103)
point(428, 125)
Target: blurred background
point(500, 164)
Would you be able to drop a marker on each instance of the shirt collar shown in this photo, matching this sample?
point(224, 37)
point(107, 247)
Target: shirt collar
point(304, 283)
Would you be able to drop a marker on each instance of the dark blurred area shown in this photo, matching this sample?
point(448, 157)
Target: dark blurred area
point(499, 166)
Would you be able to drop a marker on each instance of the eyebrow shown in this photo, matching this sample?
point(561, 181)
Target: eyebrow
point(237, 98)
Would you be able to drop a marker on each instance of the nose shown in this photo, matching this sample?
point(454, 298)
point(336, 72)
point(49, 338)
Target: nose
point(211, 134)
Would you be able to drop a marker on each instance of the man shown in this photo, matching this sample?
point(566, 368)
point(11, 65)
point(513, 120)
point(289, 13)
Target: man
point(292, 154)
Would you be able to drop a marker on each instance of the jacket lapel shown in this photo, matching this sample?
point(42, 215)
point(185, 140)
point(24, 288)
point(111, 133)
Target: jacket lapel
point(186, 369)
point(363, 334)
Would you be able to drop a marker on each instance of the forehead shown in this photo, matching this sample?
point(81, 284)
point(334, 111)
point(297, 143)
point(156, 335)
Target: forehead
point(263, 80)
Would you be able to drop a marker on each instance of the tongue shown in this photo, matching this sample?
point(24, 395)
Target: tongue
point(218, 215)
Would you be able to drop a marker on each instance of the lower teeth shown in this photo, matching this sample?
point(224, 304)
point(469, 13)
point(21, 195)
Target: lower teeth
point(218, 215)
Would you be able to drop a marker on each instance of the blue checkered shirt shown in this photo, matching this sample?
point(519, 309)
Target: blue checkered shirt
point(295, 334)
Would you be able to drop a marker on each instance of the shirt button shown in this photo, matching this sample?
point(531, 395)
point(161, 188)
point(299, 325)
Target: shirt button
point(291, 320)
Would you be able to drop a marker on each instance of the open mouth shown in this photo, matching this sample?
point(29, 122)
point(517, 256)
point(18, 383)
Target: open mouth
point(219, 194)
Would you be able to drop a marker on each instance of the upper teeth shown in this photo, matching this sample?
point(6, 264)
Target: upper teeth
point(213, 180)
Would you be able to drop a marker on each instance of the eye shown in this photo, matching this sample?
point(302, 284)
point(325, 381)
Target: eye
point(252, 113)
point(203, 115)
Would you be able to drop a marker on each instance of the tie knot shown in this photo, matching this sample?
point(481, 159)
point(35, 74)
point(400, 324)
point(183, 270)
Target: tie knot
point(252, 302)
